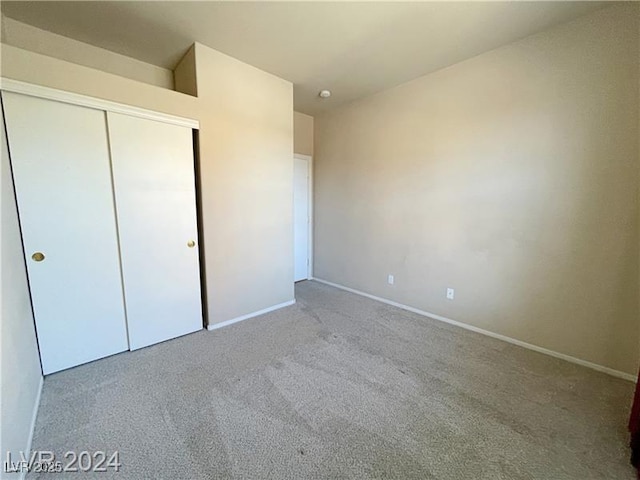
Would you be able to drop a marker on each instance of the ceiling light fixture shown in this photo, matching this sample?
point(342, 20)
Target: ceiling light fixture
point(324, 94)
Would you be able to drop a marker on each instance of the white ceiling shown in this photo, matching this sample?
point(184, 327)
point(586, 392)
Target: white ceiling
point(352, 48)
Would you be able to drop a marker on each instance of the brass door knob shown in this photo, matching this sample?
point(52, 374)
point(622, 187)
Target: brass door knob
point(37, 257)
point(191, 244)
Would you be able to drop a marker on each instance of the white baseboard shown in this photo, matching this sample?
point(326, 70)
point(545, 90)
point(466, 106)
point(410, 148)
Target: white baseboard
point(504, 338)
point(32, 427)
point(250, 315)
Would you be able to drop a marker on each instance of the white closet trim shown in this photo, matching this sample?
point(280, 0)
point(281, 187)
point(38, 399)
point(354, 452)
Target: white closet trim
point(82, 100)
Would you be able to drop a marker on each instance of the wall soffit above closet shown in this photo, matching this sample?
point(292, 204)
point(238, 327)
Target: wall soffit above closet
point(17, 86)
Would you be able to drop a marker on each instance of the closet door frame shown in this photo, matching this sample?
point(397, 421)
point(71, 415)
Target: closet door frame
point(47, 93)
point(309, 160)
point(16, 86)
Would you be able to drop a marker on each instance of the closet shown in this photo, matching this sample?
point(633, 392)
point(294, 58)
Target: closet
point(107, 210)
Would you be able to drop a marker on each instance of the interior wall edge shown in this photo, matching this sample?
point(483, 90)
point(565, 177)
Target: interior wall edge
point(215, 326)
point(184, 73)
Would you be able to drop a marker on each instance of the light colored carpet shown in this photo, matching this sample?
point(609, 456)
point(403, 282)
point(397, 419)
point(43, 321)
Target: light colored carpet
point(340, 386)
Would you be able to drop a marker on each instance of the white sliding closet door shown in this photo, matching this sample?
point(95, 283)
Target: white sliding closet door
point(60, 161)
point(154, 184)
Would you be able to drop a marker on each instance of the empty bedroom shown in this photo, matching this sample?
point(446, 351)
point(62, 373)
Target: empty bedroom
point(320, 240)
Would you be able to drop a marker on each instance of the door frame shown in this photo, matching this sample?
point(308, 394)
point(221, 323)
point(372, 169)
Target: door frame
point(309, 159)
point(80, 100)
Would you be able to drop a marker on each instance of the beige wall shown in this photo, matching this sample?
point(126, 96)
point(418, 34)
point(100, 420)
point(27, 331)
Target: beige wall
point(246, 165)
point(302, 133)
point(20, 64)
point(34, 39)
point(184, 75)
point(246, 147)
point(511, 177)
point(20, 373)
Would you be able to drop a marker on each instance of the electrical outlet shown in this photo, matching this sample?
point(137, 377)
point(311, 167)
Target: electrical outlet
point(390, 279)
point(450, 293)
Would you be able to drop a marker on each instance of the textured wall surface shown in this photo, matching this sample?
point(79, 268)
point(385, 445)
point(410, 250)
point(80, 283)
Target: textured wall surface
point(511, 177)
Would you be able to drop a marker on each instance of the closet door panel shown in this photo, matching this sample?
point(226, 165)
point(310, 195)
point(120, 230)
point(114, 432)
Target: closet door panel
point(60, 162)
point(154, 182)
